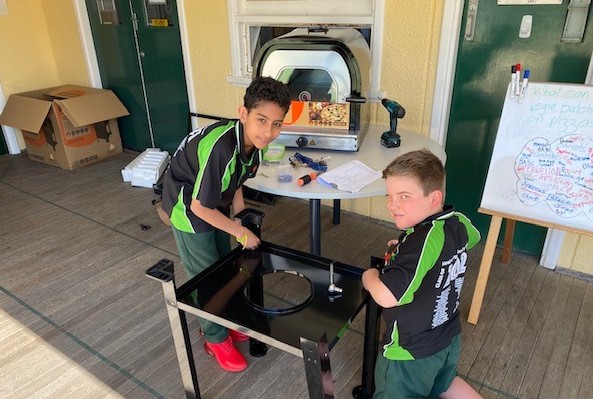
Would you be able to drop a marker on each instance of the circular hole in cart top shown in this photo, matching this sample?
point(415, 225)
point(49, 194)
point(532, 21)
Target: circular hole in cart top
point(278, 292)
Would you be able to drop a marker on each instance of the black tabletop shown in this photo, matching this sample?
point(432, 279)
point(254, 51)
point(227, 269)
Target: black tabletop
point(278, 292)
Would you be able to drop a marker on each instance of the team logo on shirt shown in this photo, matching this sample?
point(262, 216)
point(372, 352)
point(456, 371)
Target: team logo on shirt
point(451, 276)
point(193, 134)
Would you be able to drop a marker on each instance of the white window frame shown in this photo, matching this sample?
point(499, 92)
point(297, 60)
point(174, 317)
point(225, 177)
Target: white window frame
point(247, 14)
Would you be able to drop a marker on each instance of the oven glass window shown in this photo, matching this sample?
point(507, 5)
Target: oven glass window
point(309, 84)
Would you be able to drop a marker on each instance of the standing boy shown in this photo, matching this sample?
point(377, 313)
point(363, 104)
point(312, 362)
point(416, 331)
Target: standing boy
point(420, 286)
point(204, 179)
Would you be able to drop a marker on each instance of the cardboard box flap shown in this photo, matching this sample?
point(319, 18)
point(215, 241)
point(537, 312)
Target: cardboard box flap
point(25, 113)
point(92, 108)
point(68, 91)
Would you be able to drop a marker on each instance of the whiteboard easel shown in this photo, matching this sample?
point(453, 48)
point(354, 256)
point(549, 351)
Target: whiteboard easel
point(541, 171)
point(490, 247)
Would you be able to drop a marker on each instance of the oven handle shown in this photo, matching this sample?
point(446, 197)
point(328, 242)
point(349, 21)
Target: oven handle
point(356, 99)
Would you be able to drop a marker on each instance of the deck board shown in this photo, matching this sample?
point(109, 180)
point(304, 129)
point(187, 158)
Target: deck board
point(78, 318)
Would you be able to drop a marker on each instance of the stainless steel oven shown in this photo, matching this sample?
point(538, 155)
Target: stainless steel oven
point(327, 73)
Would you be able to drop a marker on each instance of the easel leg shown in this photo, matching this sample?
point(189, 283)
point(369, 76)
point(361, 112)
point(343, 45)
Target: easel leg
point(507, 248)
point(487, 256)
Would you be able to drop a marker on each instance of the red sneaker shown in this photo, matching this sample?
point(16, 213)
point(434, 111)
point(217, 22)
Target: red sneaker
point(237, 336)
point(227, 356)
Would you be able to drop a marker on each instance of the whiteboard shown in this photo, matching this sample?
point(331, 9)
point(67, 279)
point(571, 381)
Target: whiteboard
point(542, 162)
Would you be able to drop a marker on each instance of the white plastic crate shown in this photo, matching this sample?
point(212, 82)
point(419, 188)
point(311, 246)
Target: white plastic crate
point(147, 168)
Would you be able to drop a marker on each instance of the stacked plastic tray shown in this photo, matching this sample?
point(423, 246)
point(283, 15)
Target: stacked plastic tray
point(147, 168)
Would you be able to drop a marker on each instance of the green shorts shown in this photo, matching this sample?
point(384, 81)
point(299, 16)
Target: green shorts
point(421, 378)
point(197, 252)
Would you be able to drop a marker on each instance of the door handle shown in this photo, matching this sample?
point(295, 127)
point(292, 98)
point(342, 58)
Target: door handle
point(470, 21)
point(142, 54)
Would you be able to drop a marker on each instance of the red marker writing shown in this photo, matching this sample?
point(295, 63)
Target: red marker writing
point(307, 179)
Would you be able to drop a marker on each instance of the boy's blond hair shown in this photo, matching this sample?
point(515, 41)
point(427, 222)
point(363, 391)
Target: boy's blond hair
point(421, 164)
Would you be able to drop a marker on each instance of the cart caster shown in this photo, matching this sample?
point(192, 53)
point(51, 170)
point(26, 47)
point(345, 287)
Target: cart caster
point(359, 393)
point(257, 348)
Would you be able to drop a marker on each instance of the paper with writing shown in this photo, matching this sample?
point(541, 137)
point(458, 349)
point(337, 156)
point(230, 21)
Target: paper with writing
point(353, 176)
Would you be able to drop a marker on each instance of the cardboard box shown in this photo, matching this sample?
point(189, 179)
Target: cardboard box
point(67, 126)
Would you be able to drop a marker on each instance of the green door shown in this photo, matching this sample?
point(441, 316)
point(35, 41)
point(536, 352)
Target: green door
point(482, 75)
point(140, 58)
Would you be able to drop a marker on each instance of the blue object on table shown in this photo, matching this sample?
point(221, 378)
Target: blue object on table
point(310, 162)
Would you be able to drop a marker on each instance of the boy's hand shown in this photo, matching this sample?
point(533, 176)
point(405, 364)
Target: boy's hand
point(248, 240)
point(392, 247)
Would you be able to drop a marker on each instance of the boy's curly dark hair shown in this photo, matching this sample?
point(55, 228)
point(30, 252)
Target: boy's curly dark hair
point(266, 89)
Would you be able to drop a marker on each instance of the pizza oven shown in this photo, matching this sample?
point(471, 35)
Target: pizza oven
point(327, 73)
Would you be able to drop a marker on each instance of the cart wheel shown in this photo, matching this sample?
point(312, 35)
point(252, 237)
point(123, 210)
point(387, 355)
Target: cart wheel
point(359, 393)
point(257, 348)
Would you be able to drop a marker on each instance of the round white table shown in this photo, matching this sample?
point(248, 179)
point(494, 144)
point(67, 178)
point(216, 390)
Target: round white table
point(371, 153)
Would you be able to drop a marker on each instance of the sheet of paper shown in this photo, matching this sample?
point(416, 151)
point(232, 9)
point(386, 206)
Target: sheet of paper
point(353, 176)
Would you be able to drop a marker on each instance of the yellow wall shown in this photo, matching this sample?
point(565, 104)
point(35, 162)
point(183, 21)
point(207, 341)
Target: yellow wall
point(25, 43)
point(67, 48)
point(408, 67)
point(40, 47)
point(576, 253)
point(40, 40)
point(209, 45)
point(409, 59)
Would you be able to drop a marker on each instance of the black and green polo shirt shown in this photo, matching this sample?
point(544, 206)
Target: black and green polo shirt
point(426, 273)
point(210, 164)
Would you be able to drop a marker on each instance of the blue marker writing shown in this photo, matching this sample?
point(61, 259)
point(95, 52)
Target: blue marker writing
point(524, 85)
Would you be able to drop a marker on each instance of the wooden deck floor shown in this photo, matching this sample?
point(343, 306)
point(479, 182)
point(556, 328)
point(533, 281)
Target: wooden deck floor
point(78, 318)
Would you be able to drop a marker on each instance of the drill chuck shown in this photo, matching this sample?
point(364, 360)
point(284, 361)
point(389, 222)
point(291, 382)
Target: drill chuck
point(394, 108)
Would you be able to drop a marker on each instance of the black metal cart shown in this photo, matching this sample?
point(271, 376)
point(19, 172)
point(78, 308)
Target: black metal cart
point(244, 291)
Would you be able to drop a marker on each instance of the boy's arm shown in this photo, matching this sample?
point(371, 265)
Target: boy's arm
point(218, 220)
point(473, 234)
point(379, 291)
point(238, 201)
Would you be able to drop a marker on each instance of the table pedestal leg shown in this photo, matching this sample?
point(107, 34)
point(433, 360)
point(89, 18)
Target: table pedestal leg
point(315, 226)
point(317, 368)
point(336, 211)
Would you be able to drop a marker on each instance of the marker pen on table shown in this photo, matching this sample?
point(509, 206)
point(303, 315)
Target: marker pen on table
point(518, 73)
point(513, 80)
point(307, 179)
point(524, 85)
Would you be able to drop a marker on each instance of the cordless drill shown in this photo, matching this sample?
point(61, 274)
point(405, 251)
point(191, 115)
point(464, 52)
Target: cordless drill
point(391, 139)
